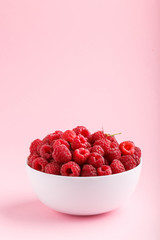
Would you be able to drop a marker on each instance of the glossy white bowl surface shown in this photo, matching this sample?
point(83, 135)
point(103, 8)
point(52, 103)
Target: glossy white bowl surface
point(84, 195)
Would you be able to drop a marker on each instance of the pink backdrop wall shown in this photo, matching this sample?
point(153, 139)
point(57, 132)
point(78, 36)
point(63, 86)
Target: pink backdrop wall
point(68, 63)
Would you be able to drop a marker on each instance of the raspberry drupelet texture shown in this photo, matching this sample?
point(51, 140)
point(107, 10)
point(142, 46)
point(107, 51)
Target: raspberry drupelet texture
point(34, 145)
point(81, 155)
point(117, 166)
point(52, 168)
point(113, 153)
point(70, 169)
point(31, 157)
point(95, 159)
point(104, 143)
point(128, 162)
point(127, 147)
point(88, 171)
point(97, 149)
point(104, 170)
point(78, 142)
point(82, 130)
point(49, 139)
point(97, 135)
point(39, 164)
point(69, 135)
point(62, 154)
point(46, 151)
point(59, 142)
point(112, 139)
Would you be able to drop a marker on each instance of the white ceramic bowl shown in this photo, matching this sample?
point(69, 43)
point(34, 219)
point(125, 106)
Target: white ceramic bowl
point(84, 195)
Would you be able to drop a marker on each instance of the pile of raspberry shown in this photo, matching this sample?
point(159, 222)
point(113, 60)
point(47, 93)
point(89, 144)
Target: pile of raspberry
point(77, 152)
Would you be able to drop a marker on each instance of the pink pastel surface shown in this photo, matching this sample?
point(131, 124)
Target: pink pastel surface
point(67, 63)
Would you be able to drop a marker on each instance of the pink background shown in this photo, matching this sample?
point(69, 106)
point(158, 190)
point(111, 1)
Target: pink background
point(67, 63)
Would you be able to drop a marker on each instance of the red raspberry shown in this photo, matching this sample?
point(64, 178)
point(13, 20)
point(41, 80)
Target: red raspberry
point(62, 154)
point(128, 161)
point(82, 130)
point(69, 135)
point(106, 162)
point(137, 152)
point(34, 145)
point(127, 147)
point(39, 164)
point(78, 142)
point(117, 166)
point(49, 139)
point(80, 155)
point(31, 158)
point(88, 171)
point(136, 158)
point(96, 160)
point(70, 169)
point(46, 151)
point(113, 153)
point(59, 142)
point(104, 170)
point(97, 149)
point(104, 143)
point(113, 140)
point(52, 168)
point(97, 135)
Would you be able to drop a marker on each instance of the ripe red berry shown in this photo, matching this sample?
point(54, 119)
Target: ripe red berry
point(62, 154)
point(88, 171)
point(59, 142)
point(97, 149)
point(31, 157)
point(34, 145)
point(97, 135)
point(137, 152)
point(69, 135)
point(104, 170)
point(127, 147)
point(49, 139)
point(46, 151)
point(52, 168)
point(70, 169)
point(39, 164)
point(113, 140)
point(82, 130)
point(78, 142)
point(80, 155)
point(128, 162)
point(95, 159)
point(113, 153)
point(117, 166)
point(104, 143)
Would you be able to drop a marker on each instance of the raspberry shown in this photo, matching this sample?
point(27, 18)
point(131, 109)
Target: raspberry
point(104, 143)
point(97, 149)
point(46, 151)
point(69, 135)
point(78, 142)
point(70, 169)
point(34, 145)
point(39, 164)
point(128, 161)
point(136, 158)
point(82, 130)
point(113, 153)
point(80, 155)
point(59, 142)
point(53, 136)
point(127, 147)
point(88, 171)
point(106, 162)
point(62, 154)
point(137, 152)
point(31, 158)
point(97, 135)
point(117, 166)
point(96, 160)
point(113, 140)
point(52, 168)
point(104, 170)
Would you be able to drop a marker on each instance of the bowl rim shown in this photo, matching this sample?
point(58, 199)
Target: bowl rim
point(89, 177)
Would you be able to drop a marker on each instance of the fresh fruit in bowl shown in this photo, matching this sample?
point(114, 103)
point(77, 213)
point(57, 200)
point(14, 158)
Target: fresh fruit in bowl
point(80, 173)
